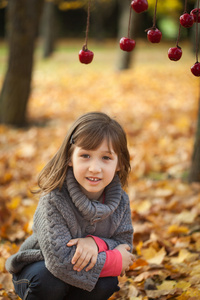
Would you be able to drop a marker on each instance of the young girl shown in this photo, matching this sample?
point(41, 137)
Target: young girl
point(82, 233)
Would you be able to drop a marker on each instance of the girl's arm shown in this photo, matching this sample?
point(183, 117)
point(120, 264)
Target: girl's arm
point(53, 235)
point(118, 260)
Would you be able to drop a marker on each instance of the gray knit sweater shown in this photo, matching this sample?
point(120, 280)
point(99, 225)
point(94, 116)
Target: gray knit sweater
point(68, 214)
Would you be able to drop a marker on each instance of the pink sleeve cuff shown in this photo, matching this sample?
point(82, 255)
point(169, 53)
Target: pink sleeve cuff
point(100, 243)
point(113, 264)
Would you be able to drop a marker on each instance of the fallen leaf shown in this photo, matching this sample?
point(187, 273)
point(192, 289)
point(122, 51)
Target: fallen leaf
point(152, 256)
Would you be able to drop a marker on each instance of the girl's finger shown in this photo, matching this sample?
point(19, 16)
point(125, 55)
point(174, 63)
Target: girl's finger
point(83, 263)
point(72, 242)
point(79, 262)
point(92, 263)
point(76, 256)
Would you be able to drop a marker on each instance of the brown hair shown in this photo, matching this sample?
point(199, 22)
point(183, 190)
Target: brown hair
point(87, 132)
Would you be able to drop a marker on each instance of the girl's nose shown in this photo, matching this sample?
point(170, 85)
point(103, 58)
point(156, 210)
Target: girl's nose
point(94, 167)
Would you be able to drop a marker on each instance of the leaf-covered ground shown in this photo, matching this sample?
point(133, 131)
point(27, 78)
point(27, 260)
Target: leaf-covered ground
point(156, 101)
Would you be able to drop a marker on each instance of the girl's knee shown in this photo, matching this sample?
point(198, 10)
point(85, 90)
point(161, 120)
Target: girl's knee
point(47, 286)
point(36, 282)
point(105, 287)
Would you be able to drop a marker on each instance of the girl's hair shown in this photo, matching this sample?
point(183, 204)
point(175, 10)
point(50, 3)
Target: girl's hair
point(87, 132)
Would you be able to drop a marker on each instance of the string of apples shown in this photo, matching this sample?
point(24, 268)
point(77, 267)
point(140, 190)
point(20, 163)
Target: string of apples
point(187, 20)
point(139, 6)
point(86, 55)
point(154, 35)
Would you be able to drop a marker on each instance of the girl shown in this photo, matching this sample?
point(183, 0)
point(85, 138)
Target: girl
point(82, 233)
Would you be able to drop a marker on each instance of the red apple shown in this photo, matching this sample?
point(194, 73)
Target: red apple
point(127, 44)
point(196, 14)
point(86, 56)
point(195, 69)
point(154, 35)
point(174, 53)
point(186, 20)
point(139, 5)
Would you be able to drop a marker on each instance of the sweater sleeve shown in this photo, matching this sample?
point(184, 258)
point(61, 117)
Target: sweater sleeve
point(113, 264)
point(53, 235)
point(102, 246)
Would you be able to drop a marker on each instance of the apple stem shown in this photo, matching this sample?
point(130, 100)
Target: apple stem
point(87, 26)
point(129, 22)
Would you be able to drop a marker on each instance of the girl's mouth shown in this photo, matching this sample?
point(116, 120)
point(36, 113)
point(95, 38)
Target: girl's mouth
point(93, 179)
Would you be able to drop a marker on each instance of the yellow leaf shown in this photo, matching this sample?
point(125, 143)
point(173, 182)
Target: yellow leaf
point(177, 229)
point(139, 247)
point(14, 203)
point(7, 177)
point(183, 254)
point(184, 285)
point(143, 206)
point(163, 193)
point(167, 285)
point(2, 264)
point(186, 216)
point(152, 256)
point(183, 123)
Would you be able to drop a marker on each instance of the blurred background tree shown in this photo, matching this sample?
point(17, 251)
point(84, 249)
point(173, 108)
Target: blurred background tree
point(22, 28)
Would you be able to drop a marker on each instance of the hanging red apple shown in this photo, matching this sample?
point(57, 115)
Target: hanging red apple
point(127, 44)
point(175, 53)
point(186, 20)
point(139, 5)
point(154, 35)
point(195, 69)
point(85, 56)
point(196, 14)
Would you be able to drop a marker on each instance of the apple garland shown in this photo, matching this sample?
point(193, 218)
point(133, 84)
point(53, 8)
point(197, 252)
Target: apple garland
point(175, 53)
point(195, 69)
point(85, 55)
point(126, 43)
point(187, 20)
point(154, 35)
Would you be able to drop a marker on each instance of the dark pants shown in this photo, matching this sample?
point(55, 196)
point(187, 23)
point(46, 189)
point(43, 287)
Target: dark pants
point(35, 282)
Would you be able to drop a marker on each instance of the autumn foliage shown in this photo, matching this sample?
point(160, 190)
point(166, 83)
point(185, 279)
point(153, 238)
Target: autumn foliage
point(156, 102)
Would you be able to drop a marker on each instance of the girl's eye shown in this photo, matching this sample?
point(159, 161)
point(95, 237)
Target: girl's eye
point(85, 156)
point(106, 158)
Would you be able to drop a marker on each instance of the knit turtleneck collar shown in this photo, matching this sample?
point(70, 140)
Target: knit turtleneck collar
point(94, 211)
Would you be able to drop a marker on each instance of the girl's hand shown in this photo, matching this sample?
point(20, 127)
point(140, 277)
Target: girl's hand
point(86, 251)
point(127, 257)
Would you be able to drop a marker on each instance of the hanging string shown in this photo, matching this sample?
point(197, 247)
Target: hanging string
point(154, 17)
point(185, 9)
point(197, 32)
point(88, 24)
point(179, 34)
point(129, 22)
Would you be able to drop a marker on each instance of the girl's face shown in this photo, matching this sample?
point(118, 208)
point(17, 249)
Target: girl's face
point(94, 169)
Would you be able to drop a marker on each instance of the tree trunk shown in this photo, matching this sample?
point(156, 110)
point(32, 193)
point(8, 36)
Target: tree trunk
point(124, 58)
point(194, 175)
point(49, 28)
point(22, 24)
